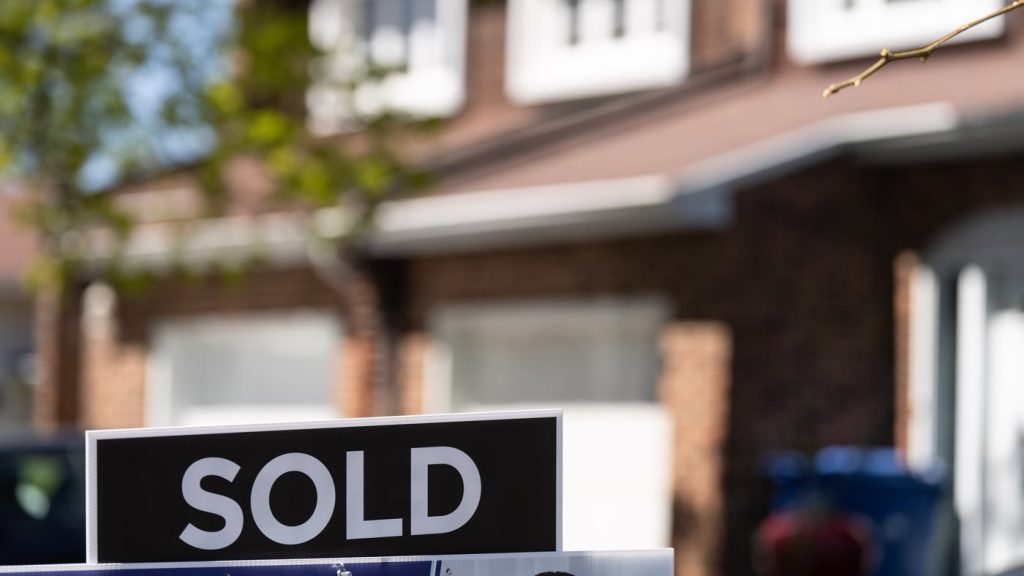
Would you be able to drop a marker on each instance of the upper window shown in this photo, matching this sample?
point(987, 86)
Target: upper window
point(417, 45)
point(828, 30)
point(564, 49)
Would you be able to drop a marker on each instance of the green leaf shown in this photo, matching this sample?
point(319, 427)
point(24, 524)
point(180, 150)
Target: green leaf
point(373, 175)
point(226, 98)
point(268, 128)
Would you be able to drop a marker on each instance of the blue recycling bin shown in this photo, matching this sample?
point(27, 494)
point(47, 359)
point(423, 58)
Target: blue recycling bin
point(904, 509)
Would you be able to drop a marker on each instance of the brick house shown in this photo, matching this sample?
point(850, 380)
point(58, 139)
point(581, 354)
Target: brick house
point(647, 215)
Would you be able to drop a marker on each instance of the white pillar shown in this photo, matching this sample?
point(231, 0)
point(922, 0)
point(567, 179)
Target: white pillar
point(922, 432)
point(969, 492)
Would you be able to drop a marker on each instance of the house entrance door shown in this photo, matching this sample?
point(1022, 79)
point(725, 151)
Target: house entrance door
point(968, 381)
point(1003, 468)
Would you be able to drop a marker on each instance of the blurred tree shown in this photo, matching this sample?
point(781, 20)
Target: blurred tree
point(96, 93)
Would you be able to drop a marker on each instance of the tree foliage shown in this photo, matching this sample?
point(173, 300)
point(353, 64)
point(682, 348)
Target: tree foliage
point(96, 93)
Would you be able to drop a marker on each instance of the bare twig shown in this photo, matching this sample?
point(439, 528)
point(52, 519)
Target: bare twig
point(888, 56)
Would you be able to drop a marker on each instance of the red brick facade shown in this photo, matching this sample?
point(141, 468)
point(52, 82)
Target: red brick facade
point(115, 343)
point(696, 385)
point(787, 332)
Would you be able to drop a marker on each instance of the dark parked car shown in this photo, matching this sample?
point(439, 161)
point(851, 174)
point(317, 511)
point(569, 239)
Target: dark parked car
point(42, 499)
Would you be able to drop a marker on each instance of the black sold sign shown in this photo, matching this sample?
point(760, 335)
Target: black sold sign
point(376, 487)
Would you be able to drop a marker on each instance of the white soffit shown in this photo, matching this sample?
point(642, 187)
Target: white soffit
point(808, 145)
point(524, 215)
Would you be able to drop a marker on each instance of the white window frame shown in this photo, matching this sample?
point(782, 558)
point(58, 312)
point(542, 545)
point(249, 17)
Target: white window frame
point(511, 316)
point(539, 71)
point(820, 31)
point(431, 87)
point(159, 392)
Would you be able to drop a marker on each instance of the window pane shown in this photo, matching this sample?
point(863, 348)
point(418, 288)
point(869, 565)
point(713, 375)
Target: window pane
point(569, 352)
point(567, 49)
point(419, 43)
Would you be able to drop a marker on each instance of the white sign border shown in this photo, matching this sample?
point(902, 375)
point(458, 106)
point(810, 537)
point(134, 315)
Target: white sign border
point(92, 436)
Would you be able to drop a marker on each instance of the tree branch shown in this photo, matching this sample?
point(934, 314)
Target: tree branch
point(888, 56)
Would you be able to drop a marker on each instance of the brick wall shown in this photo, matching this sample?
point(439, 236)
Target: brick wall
point(812, 348)
point(115, 343)
point(782, 335)
point(695, 385)
point(820, 322)
point(690, 271)
point(790, 327)
point(57, 345)
point(113, 372)
point(693, 270)
point(413, 361)
point(785, 331)
point(724, 30)
point(903, 273)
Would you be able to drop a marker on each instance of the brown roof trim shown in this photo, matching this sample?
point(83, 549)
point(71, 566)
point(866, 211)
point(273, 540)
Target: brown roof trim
point(468, 162)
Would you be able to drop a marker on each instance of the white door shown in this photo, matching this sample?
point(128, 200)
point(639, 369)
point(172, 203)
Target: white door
point(599, 361)
point(1004, 423)
point(967, 375)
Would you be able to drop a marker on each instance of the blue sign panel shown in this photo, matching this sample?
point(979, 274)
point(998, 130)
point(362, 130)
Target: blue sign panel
point(380, 568)
point(642, 563)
